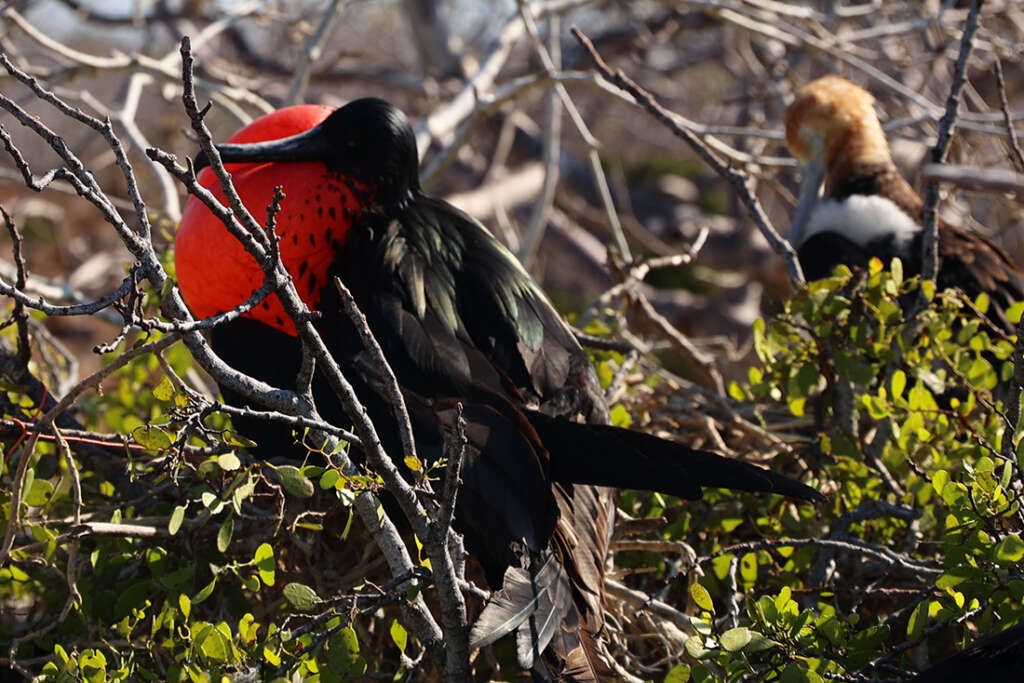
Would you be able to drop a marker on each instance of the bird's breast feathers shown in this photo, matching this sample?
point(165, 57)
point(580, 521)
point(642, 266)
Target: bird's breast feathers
point(864, 219)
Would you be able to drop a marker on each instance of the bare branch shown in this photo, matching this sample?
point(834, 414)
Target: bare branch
point(978, 179)
point(1004, 105)
point(929, 218)
point(313, 49)
point(736, 178)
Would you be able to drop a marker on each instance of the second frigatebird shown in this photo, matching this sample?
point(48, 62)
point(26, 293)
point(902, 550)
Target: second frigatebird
point(460, 321)
point(868, 208)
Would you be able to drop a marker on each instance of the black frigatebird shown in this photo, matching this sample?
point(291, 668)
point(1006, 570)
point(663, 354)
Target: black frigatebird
point(460, 321)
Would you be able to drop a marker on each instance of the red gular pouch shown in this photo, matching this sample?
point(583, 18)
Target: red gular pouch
point(215, 273)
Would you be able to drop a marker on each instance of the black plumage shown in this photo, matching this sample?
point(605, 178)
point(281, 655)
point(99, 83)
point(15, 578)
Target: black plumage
point(994, 658)
point(461, 321)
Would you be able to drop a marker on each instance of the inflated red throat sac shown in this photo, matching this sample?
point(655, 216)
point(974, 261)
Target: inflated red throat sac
point(215, 272)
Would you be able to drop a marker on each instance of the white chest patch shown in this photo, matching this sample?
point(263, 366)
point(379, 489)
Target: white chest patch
point(863, 219)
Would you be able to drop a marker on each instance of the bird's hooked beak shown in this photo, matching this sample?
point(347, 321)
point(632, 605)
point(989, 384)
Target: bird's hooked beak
point(312, 145)
point(812, 173)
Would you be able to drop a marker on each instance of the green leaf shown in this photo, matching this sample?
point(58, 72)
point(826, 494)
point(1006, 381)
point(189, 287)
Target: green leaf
point(93, 666)
point(917, 621)
point(1014, 311)
point(958, 597)
point(271, 657)
point(399, 635)
point(928, 289)
point(748, 567)
point(796, 406)
point(878, 408)
point(783, 598)
point(947, 581)
point(301, 596)
point(896, 268)
point(294, 482)
point(229, 461)
point(265, 564)
point(759, 642)
point(343, 652)
point(151, 438)
point(248, 628)
point(185, 605)
point(720, 565)
point(39, 493)
point(853, 368)
point(736, 638)
point(242, 493)
point(205, 593)
point(1010, 549)
point(795, 673)
point(176, 580)
point(177, 517)
point(898, 383)
point(227, 529)
point(213, 644)
point(920, 398)
point(621, 417)
point(695, 647)
point(164, 391)
point(251, 583)
point(329, 478)
point(701, 597)
point(130, 597)
point(680, 673)
point(233, 438)
point(807, 378)
point(939, 481)
point(413, 463)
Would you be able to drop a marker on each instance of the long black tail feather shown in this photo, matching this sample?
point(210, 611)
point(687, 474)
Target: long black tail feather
point(994, 657)
point(611, 456)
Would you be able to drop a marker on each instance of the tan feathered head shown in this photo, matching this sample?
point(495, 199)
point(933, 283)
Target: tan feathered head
point(832, 130)
point(837, 119)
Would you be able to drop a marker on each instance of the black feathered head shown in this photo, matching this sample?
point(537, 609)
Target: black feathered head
point(368, 140)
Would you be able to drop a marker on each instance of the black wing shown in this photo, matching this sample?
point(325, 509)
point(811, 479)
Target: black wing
point(452, 308)
point(975, 264)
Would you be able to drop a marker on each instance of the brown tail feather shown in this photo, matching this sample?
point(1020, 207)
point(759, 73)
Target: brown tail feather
point(584, 664)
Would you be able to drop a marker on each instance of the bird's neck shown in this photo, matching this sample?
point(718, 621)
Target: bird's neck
point(393, 201)
point(873, 178)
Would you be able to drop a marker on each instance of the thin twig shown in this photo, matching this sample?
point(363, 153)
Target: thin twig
point(596, 167)
point(312, 50)
point(929, 217)
point(1004, 105)
point(455, 452)
point(19, 316)
point(739, 180)
point(453, 607)
point(534, 232)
